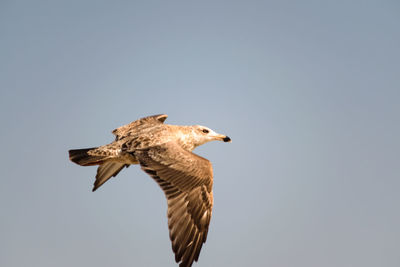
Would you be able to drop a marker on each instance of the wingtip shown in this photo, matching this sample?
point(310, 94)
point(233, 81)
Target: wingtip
point(95, 187)
point(162, 117)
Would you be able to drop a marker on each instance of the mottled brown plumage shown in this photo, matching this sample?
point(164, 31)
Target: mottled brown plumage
point(165, 153)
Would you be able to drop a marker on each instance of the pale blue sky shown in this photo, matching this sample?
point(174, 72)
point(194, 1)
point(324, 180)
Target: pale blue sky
point(307, 90)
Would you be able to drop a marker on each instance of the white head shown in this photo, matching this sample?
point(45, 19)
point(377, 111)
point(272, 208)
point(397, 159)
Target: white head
point(204, 134)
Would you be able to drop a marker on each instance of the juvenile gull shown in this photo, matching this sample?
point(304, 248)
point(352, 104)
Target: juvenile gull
point(165, 153)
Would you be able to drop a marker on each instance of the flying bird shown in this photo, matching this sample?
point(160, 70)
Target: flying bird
point(165, 153)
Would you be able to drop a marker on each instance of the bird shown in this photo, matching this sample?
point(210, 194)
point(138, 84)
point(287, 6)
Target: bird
point(164, 152)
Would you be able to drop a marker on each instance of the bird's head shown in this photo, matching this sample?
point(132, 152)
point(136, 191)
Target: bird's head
point(204, 134)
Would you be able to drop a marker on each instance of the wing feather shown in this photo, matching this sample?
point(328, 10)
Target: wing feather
point(107, 170)
point(186, 180)
point(139, 124)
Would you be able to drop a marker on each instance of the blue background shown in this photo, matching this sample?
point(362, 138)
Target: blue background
point(307, 90)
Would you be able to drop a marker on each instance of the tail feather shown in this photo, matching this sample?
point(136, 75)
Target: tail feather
point(81, 157)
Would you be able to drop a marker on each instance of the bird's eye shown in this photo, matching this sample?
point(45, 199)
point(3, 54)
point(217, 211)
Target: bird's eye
point(205, 131)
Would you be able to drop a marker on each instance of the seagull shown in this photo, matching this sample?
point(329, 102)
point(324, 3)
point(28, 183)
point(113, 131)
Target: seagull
point(164, 152)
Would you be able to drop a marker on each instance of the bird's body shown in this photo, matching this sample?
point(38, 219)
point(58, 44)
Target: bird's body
point(164, 152)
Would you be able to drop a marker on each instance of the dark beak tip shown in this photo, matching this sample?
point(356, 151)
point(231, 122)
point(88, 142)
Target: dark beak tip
point(227, 139)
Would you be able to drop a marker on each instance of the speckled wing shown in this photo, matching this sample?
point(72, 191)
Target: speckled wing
point(139, 124)
point(186, 180)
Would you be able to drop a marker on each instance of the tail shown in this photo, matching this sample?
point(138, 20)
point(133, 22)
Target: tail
point(81, 157)
point(105, 171)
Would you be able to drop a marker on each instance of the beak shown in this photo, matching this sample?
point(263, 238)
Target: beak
point(224, 138)
point(227, 139)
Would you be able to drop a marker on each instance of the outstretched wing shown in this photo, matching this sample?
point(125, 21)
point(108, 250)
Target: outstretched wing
point(139, 124)
point(186, 180)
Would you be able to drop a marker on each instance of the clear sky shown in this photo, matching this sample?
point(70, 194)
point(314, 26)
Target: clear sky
point(308, 91)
